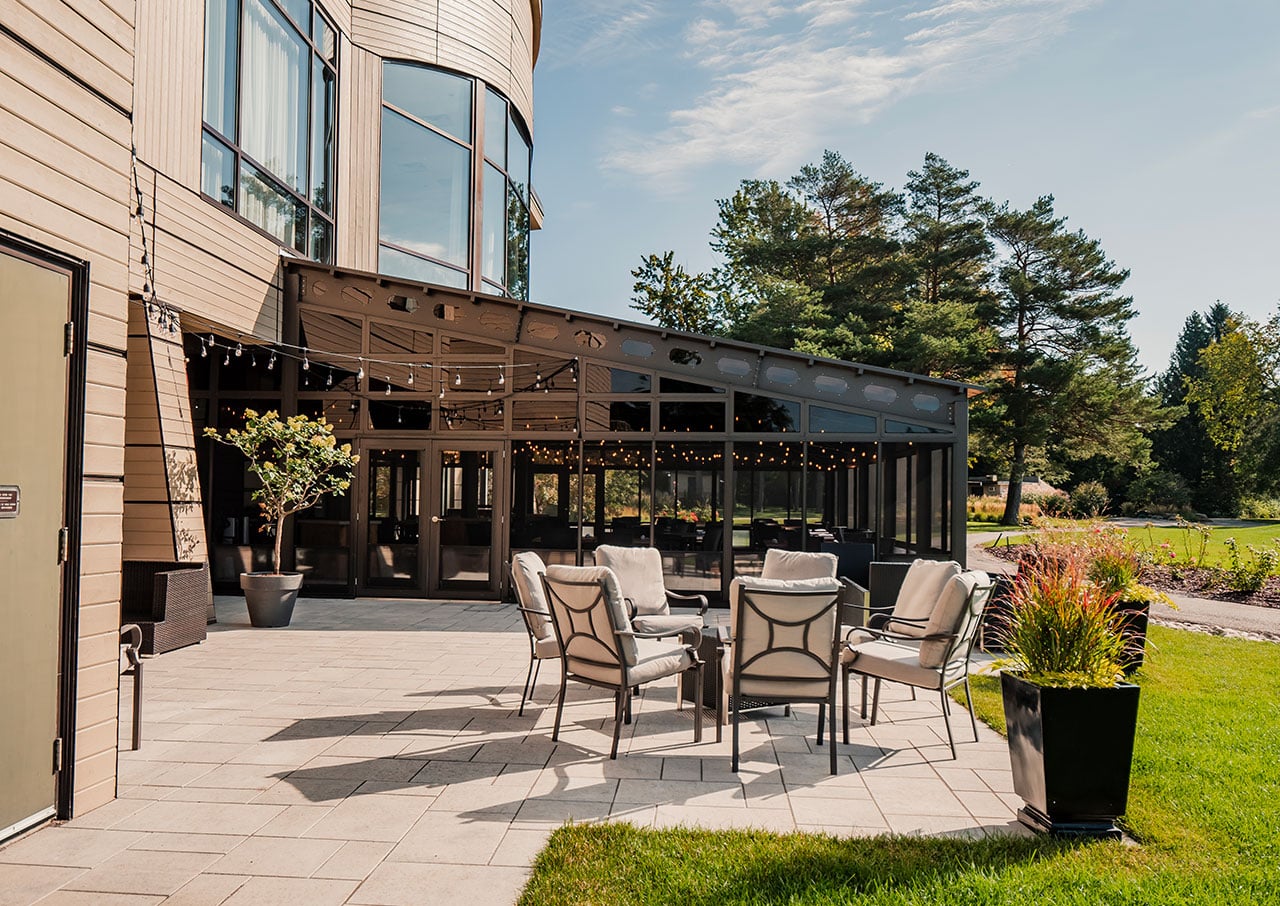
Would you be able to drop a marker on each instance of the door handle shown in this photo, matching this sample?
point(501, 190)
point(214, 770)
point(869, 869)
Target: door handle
point(435, 518)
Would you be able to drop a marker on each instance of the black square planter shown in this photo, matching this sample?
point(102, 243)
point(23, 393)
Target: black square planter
point(1071, 750)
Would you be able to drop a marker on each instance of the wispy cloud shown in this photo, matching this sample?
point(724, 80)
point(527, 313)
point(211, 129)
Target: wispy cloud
point(781, 73)
point(580, 32)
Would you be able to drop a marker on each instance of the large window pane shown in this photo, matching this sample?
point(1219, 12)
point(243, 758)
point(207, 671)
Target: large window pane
point(218, 171)
point(517, 247)
point(495, 128)
point(518, 159)
point(276, 73)
point(425, 183)
point(494, 242)
point(300, 10)
point(323, 139)
point(396, 263)
point(221, 38)
point(433, 96)
point(262, 202)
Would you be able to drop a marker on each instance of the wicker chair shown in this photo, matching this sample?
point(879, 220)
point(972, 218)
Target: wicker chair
point(168, 601)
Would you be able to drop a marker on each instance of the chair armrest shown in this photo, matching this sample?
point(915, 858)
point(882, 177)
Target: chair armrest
point(889, 622)
point(701, 599)
point(888, 636)
point(638, 634)
point(134, 642)
point(631, 607)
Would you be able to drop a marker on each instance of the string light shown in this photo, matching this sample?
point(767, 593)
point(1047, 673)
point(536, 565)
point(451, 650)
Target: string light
point(306, 363)
point(239, 350)
point(360, 372)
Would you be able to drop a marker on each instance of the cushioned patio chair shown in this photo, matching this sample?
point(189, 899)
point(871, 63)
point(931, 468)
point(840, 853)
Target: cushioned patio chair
point(526, 578)
point(937, 659)
point(639, 572)
point(785, 645)
point(600, 647)
point(170, 602)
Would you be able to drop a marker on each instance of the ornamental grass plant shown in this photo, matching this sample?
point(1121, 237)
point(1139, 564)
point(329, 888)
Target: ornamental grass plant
point(1062, 628)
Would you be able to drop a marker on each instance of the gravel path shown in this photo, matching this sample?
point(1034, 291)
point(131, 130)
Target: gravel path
point(1200, 614)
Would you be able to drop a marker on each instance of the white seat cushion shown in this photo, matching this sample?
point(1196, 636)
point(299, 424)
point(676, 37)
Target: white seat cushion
point(546, 648)
point(740, 582)
point(897, 663)
point(655, 659)
point(784, 564)
point(639, 572)
point(920, 591)
point(668, 624)
point(581, 594)
point(526, 571)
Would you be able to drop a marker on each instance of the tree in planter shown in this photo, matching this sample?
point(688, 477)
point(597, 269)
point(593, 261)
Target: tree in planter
point(297, 460)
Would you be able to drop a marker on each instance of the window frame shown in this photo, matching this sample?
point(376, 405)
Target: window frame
point(240, 158)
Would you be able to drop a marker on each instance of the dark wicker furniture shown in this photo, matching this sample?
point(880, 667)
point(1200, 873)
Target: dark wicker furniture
point(168, 601)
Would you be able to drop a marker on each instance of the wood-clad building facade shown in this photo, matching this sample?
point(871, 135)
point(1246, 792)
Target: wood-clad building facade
point(110, 198)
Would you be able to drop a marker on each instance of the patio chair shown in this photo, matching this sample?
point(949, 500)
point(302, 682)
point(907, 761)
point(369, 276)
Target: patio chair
point(601, 648)
point(785, 648)
point(901, 596)
point(639, 572)
point(168, 601)
point(938, 659)
point(526, 578)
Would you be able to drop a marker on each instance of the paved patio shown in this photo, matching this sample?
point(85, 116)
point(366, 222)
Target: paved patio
point(372, 754)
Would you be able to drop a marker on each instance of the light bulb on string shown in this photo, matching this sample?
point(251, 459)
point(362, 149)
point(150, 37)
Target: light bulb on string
point(328, 380)
point(271, 362)
point(306, 363)
point(502, 376)
point(360, 372)
point(253, 359)
point(239, 350)
point(457, 379)
point(410, 375)
point(204, 349)
point(226, 359)
point(387, 392)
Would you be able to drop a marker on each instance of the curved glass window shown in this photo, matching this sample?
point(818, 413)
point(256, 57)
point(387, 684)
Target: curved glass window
point(270, 94)
point(505, 242)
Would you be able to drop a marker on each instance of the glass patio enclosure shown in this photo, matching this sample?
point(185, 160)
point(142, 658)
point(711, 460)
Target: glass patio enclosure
point(488, 426)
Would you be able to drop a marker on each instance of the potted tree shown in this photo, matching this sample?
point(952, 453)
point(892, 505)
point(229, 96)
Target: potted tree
point(1070, 714)
point(297, 460)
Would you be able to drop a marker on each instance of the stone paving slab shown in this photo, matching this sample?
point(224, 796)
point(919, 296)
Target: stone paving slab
point(372, 753)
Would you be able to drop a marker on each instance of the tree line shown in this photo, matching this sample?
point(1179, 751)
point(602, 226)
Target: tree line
point(938, 279)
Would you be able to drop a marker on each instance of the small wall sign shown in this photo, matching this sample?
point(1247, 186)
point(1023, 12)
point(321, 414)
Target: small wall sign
point(10, 500)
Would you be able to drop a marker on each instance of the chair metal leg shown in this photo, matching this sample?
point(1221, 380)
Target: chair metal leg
point(864, 696)
point(875, 702)
point(831, 705)
point(619, 706)
point(528, 684)
point(627, 706)
point(821, 714)
point(697, 703)
point(845, 672)
point(735, 734)
point(555, 733)
point(946, 718)
point(968, 700)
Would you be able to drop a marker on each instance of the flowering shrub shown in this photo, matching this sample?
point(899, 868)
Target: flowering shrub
point(298, 461)
point(1248, 573)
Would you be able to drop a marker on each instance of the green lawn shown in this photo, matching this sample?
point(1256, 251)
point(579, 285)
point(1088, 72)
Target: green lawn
point(1184, 542)
point(1204, 804)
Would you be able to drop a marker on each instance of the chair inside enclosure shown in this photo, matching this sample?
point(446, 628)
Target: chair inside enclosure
point(936, 659)
point(600, 646)
point(526, 578)
point(785, 648)
point(639, 572)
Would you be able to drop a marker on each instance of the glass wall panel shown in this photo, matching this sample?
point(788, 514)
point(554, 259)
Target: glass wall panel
point(240, 539)
point(767, 502)
point(618, 510)
point(261, 201)
point(495, 128)
point(618, 415)
point(517, 247)
point(764, 413)
point(432, 95)
point(545, 414)
point(494, 238)
point(322, 542)
point(221, 44)
point(691, 416)
point(837, 511)
point(398, 339)
point(401, 264)
point(342, 413)
point(273, 115)
point(545, 499)
point(473, 415)
point(323, 138)
point(518, 154)
point(218, 171)
point(823, 421)
point(399, 415)
point(688, 507)
point(536, 373)
point(423, 171)
point(675, 385)
point(624, 381)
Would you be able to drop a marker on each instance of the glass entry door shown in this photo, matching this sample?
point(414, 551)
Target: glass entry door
point(393, 504)
point(465, 519)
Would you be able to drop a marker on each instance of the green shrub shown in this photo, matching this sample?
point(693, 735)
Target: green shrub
point(1259, 507)
point(1159, 492)
point(1089, 500)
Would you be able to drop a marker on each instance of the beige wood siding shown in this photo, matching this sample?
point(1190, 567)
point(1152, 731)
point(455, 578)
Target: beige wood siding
point(359, 154)
point(169, 87)
point(64, 165)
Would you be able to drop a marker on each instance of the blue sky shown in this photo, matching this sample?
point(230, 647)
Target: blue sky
point(1156, 125)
